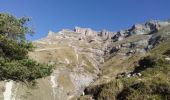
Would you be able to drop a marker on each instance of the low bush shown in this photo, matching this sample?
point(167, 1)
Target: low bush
point(146, 91)
point(23, 70)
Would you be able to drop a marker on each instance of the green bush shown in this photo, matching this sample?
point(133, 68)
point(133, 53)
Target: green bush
point(14, 61)
point(167, 53)
point(94, 90)
point(110, 90)
point(146, 90)
point(106, 91)
point(13, 49)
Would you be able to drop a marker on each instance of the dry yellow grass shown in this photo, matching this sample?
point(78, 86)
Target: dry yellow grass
point(65, 81)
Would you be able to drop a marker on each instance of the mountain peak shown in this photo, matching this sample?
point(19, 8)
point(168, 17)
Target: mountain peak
point(50, 33)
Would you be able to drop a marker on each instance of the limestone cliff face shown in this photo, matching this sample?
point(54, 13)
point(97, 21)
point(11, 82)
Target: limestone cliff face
point(81, 57)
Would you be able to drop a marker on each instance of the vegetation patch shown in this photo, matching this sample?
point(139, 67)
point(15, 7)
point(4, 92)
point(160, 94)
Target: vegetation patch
point(153, 84)
point(14, 61)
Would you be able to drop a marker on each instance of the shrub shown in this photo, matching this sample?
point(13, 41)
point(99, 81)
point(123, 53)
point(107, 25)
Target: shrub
point(145, 90)
point(23, 70)
point(14, 61)
point(106, 91)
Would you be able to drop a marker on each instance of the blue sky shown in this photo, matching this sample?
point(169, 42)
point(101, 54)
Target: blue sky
point(112, 15)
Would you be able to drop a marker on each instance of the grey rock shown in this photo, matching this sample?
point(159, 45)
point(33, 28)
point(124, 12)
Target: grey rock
point(148, 28)
point(139, 74)
point(85, 31)
point(106, 34)
point(127, 45)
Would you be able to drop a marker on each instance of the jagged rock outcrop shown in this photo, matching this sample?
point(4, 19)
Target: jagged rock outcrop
point(148, 27)
point(106, 34)
point(85, 31)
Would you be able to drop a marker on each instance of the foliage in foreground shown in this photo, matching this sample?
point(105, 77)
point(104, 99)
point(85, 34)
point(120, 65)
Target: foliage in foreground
point(14, 61)
point(23, 70)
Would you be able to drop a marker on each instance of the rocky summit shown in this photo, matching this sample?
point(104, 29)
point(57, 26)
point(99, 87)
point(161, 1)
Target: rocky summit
point(84, 57)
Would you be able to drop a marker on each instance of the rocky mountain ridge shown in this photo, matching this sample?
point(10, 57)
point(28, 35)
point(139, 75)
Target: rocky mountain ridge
point(98, 47)
point(107, 39)
point(83, 57)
